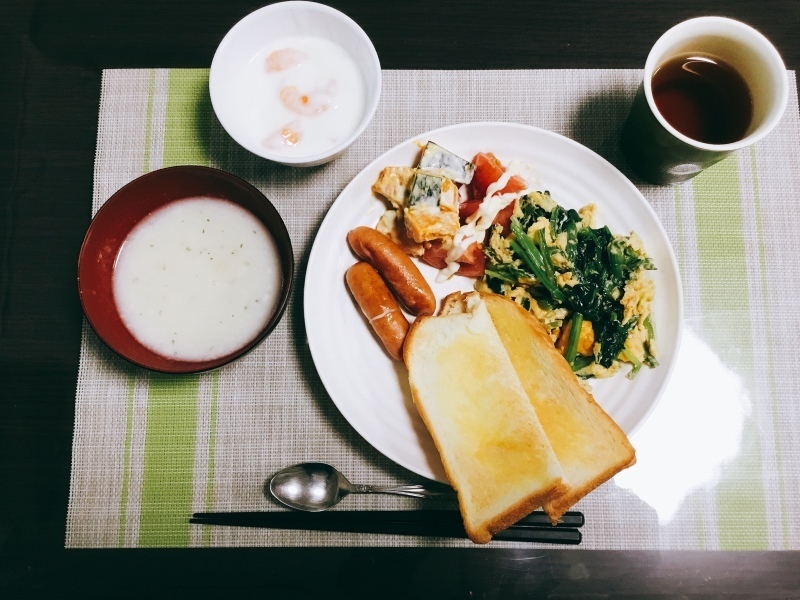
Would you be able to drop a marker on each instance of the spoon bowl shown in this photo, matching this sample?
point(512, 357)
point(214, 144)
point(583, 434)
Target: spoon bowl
point(315, 487)
point(312, 487)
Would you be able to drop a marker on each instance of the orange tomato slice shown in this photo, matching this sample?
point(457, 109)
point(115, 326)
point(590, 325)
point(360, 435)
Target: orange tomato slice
point(489, 169)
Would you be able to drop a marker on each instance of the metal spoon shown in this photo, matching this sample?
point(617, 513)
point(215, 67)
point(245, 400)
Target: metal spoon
point(315, 487)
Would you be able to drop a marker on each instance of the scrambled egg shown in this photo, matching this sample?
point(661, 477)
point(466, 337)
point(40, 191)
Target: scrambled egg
point(508, 275)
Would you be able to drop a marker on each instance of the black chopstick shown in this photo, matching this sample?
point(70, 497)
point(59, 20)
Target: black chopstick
point(537, 518)
point(438, 523)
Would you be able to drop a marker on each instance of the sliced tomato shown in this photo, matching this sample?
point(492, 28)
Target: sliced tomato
point(467, 208)
point(489, 169)
point(503, 217)
point(472, 255)
point(434, 254)
point(477, 264)
point(472, 262)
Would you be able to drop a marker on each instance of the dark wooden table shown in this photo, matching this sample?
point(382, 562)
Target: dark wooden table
point(51, 56)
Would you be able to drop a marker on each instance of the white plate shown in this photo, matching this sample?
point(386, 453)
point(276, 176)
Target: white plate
point(369, 388)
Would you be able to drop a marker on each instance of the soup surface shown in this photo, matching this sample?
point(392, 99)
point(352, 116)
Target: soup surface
point(197, 279)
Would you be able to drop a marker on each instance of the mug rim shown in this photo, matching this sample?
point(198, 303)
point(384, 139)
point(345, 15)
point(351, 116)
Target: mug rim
point(772, 55)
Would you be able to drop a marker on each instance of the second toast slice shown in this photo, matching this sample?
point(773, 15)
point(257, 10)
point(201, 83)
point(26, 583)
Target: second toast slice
point(491, 443)
point(589, 445)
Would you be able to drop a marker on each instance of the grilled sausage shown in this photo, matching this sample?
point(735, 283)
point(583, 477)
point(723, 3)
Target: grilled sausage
point(379, 307)
point(400, 273)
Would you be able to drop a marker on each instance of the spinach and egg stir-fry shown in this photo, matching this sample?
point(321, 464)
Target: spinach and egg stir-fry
point(585, 284)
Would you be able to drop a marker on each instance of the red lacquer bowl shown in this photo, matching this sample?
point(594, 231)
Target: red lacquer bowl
point(123, 211)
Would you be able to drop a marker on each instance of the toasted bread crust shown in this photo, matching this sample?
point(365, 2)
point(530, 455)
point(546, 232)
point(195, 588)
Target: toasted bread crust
point(478, 528)
point(520, 510)
point(625, 455)
point(483, 533)
point(563, 408)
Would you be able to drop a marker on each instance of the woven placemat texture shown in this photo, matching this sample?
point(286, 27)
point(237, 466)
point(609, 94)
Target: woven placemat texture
point(718, 461)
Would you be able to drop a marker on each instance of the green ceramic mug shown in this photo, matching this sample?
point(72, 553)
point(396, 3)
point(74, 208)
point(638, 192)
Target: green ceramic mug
point(654, 147)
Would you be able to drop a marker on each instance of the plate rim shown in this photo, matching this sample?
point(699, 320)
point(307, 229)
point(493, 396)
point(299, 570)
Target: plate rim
point(328, 220)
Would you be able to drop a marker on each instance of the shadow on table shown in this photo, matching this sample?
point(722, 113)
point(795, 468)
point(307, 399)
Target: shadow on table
point(597, 124)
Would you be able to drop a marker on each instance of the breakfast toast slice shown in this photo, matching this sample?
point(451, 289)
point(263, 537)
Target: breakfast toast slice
point(493, 448)
point(590, 446)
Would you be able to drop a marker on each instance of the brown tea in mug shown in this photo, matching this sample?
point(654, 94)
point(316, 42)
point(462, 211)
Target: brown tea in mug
point(704, 98)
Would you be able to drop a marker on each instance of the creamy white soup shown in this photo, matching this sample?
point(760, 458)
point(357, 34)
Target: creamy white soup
point(299, 96)
point(197, 279)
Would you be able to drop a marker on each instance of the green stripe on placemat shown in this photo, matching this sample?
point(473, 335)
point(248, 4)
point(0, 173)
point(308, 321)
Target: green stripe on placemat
point(171, 435)
point(169, 451)
point(187, 138)
point(722, 258)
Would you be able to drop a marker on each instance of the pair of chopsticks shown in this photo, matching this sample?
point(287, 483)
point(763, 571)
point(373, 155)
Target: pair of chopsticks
point(535, 527)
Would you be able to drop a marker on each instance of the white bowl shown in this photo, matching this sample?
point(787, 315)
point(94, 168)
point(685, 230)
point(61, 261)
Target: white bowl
point(249, 36)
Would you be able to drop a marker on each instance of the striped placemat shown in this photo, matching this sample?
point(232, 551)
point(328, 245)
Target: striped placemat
point(718, 461)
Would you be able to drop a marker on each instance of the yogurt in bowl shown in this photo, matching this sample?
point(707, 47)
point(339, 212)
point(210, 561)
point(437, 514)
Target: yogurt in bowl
point(295, 82)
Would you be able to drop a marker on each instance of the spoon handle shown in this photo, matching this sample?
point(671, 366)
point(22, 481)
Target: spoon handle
point(415, 491)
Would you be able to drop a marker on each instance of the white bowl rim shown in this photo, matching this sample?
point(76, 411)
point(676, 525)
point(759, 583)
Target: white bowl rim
point(321, 157)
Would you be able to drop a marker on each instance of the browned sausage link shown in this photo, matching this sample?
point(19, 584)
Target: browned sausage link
point(396, 267)
point(379, 306)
